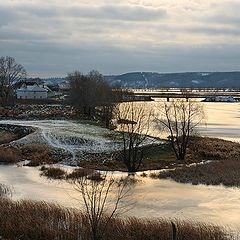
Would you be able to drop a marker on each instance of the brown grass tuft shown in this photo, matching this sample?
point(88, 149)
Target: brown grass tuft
point(223, 168)
point(54, 173)
point(80, 173)
point(38, 154)
point(7, 137)
point(9, 155)
point(39, 220)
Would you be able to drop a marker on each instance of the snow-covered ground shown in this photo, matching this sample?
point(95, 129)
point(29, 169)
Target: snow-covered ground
point(77, 139)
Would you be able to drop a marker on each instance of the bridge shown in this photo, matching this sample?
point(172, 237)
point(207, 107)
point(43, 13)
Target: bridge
point(167, 93)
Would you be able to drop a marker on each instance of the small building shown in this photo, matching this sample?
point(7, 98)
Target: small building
point(34, 91)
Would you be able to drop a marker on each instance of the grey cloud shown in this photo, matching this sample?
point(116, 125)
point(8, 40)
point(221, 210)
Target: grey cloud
point(223, 13)
point(114, 12)
point(225, 19)
point(214, 30)
point(55, 39)
point(21, 35)
point(120, 12)
point(49, 59)
point(7, 16)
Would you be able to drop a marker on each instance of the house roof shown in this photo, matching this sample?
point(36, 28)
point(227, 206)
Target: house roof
point(34, 88)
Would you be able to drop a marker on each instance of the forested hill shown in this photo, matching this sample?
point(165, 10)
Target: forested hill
point(188, 79)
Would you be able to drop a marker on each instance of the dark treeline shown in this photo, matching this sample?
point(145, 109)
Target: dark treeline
point(88, 91)
point(10, 72)
point(92, 95)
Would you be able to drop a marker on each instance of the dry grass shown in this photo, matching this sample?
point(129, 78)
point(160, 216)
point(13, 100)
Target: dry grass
point(213, 149)
point(58, 173)
point(9, 155)
point(5, 112)
point(80, 173)
point(7, 137)
point(214, 173)
point(224, 168)
point(54, 173)
point(39, 220)
point(38, 154)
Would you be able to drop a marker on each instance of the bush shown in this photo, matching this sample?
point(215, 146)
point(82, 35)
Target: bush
point(54, 173)
point(9, 155)
point(80, 173)
point(96, 177)
point(38, 154)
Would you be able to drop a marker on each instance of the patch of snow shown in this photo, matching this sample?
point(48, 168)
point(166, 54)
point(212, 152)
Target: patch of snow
point(173, 83)
point(204, 74)
point(195, 81)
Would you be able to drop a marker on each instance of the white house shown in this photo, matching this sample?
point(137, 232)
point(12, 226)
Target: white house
point(33, 92)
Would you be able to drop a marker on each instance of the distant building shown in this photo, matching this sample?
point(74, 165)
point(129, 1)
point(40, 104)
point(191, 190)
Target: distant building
point(34, 91)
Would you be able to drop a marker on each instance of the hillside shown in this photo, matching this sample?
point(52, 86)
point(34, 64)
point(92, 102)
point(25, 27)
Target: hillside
point(174, 80)
point(189, 79)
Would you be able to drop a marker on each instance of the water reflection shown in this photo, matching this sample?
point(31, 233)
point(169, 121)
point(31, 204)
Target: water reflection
point(152, 198)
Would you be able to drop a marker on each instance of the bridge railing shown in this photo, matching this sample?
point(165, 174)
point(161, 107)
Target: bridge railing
point(184, 90)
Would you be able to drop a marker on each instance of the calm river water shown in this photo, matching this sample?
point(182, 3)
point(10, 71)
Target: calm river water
point(152, 198)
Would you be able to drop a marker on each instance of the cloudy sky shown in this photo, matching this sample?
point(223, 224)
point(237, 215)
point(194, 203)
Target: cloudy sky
point(54, 37)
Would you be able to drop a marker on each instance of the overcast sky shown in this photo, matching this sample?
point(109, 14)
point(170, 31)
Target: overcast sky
point(54, 37)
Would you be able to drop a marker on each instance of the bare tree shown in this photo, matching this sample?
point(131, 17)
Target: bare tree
point(180, 119)
point(102, 196)
point(10, 72)
point(133, 122)
point(89, 91)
